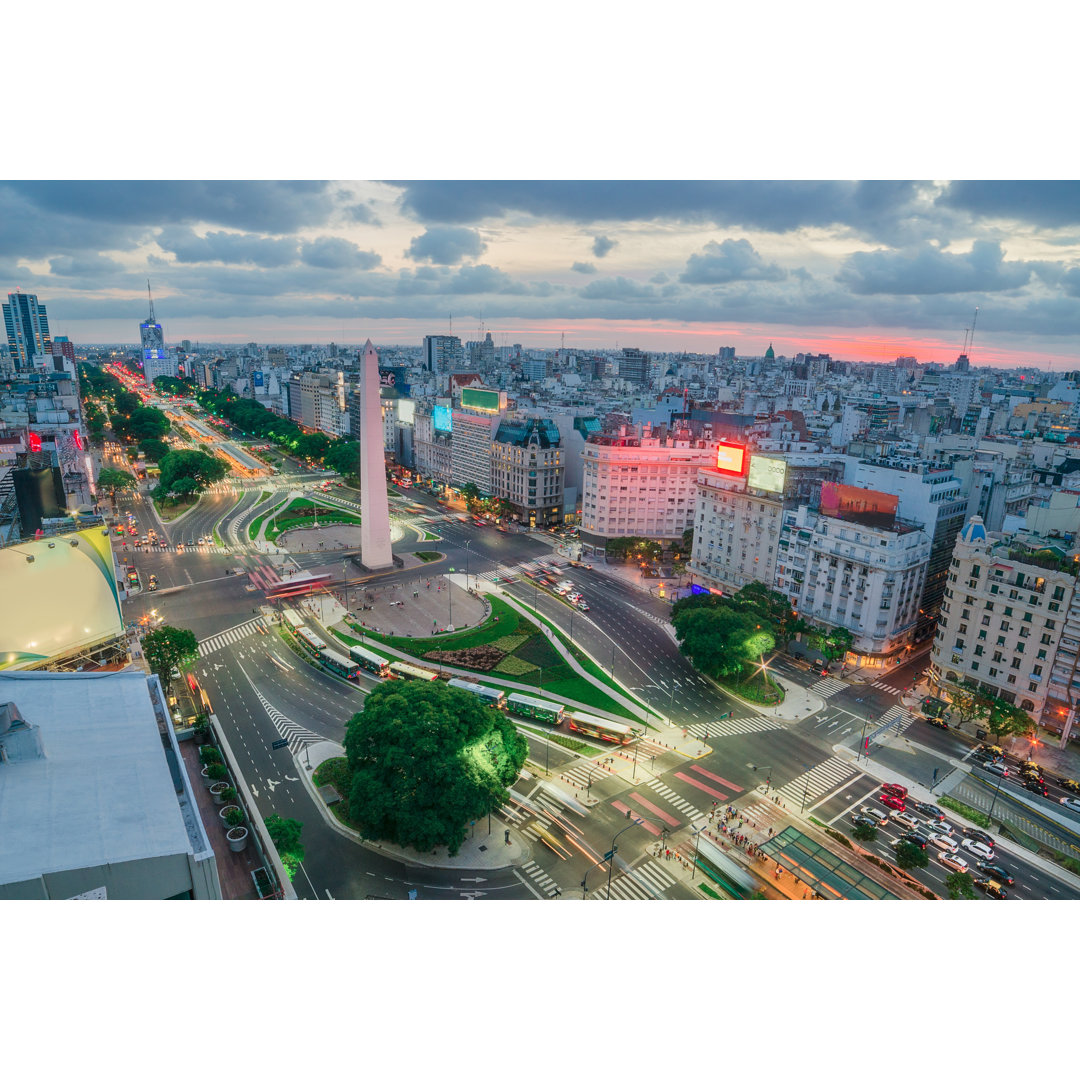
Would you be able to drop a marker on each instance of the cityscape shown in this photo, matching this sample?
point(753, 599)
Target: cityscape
point(741, 570)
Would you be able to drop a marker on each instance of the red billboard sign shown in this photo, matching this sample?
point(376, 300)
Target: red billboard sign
point(859, 504)
point(731, 458)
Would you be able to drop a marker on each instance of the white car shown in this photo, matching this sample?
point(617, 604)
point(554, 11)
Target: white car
point(910, 820)
point(1072, 804)
point(978, 848)
point(942, 827)
point(946, 843)
point(953, 862)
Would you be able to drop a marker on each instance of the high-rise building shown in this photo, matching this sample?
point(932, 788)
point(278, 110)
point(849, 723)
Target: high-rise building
point(27, 325)
point(442, 353)
point(634, 366)
point(474, 425)
point(527, 469)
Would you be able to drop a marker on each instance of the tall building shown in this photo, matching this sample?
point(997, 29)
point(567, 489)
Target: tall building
point(634, 366)
point(474, 425)
point(27, 325)
point(527, 469)
point(442, 353)
point(432, 439)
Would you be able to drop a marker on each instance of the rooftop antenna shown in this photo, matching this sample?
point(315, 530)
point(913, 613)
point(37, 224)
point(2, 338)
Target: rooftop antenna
point(151, 295)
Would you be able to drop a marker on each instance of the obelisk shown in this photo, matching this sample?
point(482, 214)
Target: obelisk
point(375, 551)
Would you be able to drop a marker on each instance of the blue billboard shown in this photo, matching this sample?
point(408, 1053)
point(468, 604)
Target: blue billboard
point(442, 419)
point(257, 378)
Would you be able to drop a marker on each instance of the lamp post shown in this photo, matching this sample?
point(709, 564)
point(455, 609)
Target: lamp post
point(345, 580)
point(467, 543)
point(450, 596)
point(805, 794)
point(671, 699)
point(610, 856)
point(993, 802)
point(697, 838)
point(768, 779)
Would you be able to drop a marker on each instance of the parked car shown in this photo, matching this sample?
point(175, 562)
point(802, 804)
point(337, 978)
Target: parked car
point(953, 862)
point(998, 873)
point(930, 810)
point(996, 767)
point(977, 847)
point(946, 843)
point(1072, 804)
point(994, 889)
point(891, 801)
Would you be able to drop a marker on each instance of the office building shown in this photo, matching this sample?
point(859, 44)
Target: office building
point(475, 422)
point(634, 366)
point(29, 346)
point(442, 353)
point(527, 469)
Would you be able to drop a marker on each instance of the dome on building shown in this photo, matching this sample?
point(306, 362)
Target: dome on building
point(973, 531)
point(769, 354)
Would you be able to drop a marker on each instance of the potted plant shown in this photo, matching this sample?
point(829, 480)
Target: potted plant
point(215, 772)
point(218, 790)
point(234, 817)
point(201, 727)
point(237, 837)
point(208, 755)
point(224, 810)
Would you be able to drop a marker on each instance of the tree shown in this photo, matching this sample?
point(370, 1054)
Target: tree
point(910, 856)
point(344, 458)
point(285, 833)
point(968, 702)
point(865, 832)
point(720, 640)
point(1005, 719)
point(960, 887)
point(311, 447)
point(767, 605)
point(470, 493)
point(186, 471)
point(154, 449)
point(837, 643)
point(113, 479)
point(425, 760)
point(169, 647)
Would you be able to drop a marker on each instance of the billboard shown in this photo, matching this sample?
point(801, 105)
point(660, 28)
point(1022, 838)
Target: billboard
point(485, 400)
point(767, 473)
point(257, 378)
point(442, 419)
point(861, 505)
point(731, 458)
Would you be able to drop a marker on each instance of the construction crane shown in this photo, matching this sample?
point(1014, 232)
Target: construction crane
point(969, 333)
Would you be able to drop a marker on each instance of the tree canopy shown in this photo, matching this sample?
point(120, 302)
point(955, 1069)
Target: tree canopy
point(154, 449)
point(186, 471)
point(344, 458)
point(426, 759)
point(285, 833)
point(113, 479)
point(168, 647)
point(1005, 719)
point(720, 640)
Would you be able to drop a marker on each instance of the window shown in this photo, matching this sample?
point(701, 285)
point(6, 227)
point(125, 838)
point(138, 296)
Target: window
point(1045, 639)
point(986, 620)
point(1001, 639)
point(1042, 654)
point(1016, 662)
point(993, 672)
point(974, 665)
point(982, 635)
point(978, 650)
point(1011, 679)
point(1037, 669)
point(1050, 624)
point(1033, 686)
point(1008, 611)
point(997, 658)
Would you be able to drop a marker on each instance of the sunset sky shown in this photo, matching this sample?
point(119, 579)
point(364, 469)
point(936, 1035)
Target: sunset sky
point(864, 271)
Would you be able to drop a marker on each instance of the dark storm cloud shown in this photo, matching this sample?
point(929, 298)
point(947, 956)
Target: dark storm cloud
point(334, 253)
point(583, 268)
point(775, 206)
point(269, 206)
point(925, 269)
point(1047, 203)
point(446, 246)
point(226, 247)
point(602, 245)
point(730, 260)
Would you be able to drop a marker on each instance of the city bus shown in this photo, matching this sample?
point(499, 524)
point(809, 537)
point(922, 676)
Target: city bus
point(292, 620)
point(411, 671)
point(550, 712)
point(333, 661)
point(489, 694)
point(598, 728)
point(308, 637)
point(370, 661)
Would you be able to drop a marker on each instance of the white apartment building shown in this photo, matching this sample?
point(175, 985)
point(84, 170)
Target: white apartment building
point(474, 425)
point(865, 578)
point(431, 447)
point(640, 485)
point(1004, 618)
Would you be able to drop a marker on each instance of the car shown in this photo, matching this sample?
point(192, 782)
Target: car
point(891, 801)
point(1037, 786)
point(916, 838)
point(1069, 784)
point(153, 577)
point(905, 817)
point(953, 862)
point(998, 873)
point(930, 810)
point(152, 587)
point(977, 847)
point(946, 843)
point(180, 547)
point(864, 819)
point(877, 817)
point(983, 838)
point(1072, 804)
point(582, 606)
point(996, 767)
point(820, 666)
point(132, 531)
point(936, 721)
point(993, 750)
point(942, 827)
point(992, 888)
point(898, 790)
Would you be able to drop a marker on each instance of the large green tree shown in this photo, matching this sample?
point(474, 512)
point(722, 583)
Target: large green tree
point(115, 479)
point(285, 833)
point(425, 760)
point(959, 886)
point(154, 449)
point(1005, 719)
point(168, 647)
point(720, 640)
point(968, 702)
point(910, 856)
point(186, 471)
point(344, 458)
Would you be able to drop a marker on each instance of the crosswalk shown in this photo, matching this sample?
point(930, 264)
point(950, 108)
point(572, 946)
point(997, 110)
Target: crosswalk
point(906, 719)
point(542, 881)
point(585, 772)
point(812, 786)
point(297, 735)
point(676, 800)
point(827, 687)
point(229, 637)
point(739, 725)
point(646, 881)
point(879, 684)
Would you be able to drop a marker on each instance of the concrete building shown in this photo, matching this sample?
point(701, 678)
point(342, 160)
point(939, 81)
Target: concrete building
point(634, 366)
point(1003, 617)
point(442, 353)
point(475, 422)
point(527, 469)
point(432, 445)
point(94, 803)
point(29, 346)
point(865, 578)
point(640, 484)
point(316, 401)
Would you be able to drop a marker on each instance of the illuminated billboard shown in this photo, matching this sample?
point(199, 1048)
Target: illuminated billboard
point(731, 458)
point(858, 504)
point(767, 473)
point(484, 400)
point(442, 419)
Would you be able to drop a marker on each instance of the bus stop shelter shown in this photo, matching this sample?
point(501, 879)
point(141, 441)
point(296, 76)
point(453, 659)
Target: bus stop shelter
point(827, 874)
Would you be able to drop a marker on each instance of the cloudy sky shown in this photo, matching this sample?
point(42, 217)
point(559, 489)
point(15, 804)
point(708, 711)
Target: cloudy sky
point(868, 270)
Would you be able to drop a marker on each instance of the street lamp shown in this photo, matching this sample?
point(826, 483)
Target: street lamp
point(467, 543)
point(697, 838)
point(610, 856)
point(768, 779)
point(671, 699)
point(345, 579)
point(993, 802)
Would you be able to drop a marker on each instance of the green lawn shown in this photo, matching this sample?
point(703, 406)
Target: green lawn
point(253, 528)
point(429, 556)
point(169, 509)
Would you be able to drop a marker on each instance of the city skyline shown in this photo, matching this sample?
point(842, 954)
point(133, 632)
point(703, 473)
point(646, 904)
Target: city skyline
point(865, 271)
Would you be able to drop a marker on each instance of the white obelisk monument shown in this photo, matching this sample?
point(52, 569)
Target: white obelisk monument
point(375, 551)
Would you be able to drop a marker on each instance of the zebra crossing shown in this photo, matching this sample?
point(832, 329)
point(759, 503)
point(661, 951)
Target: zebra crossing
point(893, 713)
point(827, 687)
point(229, 637)
point(646, 881)
point(298, 735)
point(676, 800)
point(812, 786)
point(541, 880)
point(896, 691)
point(584, 772)
point(740, 725)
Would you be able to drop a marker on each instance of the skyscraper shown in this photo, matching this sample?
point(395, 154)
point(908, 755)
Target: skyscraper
point(155, 360)
point(442, 353)
point(27, 325)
